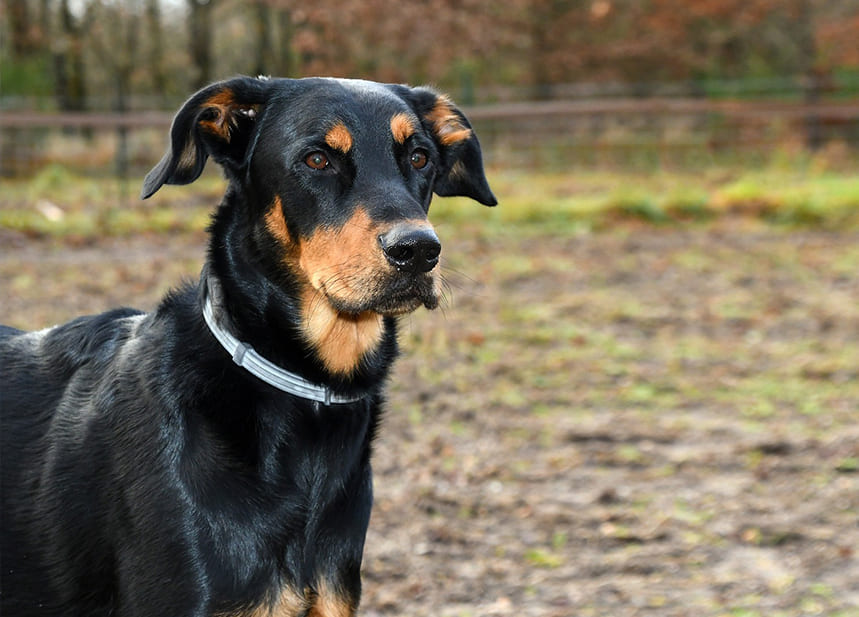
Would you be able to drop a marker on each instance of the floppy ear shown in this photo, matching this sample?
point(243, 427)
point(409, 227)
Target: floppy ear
point(461, 170)
point(220, 121)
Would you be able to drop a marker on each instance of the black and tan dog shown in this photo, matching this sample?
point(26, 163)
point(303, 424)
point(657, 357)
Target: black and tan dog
point(213, 457)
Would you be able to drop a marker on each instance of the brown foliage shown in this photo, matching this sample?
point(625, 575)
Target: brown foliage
point(456, 44)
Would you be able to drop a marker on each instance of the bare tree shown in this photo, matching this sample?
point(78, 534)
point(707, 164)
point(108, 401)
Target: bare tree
point(69, 66)
point(155, 35)
point(285, 56)
point(200, 30)
point(262, 32)
point(21, 28)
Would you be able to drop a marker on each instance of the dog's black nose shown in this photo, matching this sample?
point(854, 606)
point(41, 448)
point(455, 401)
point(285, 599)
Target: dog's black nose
point(411, 249)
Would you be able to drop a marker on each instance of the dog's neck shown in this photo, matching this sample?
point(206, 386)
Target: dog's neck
point(245, 356)
point(274, 310)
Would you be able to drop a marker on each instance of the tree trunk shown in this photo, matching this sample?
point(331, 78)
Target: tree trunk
point(20, 28)
point(69, 67)
point(200, 23)
point(263, 38)
point(285, 66)
point(812, 82)
point(156, 48)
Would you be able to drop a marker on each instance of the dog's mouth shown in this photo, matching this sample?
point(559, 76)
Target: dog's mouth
point(391, 296)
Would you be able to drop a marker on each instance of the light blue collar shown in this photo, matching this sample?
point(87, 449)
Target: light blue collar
point(245, 356)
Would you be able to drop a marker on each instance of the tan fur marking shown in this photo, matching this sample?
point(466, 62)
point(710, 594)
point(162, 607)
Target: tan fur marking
point(222, 102)
point(340, 339)
point(276, 224)
point(447, 125)
point(226, 107)
point(331, 604)
point(403, 127)
point(341, 264)
point(339, 138)
point(288, 603)
point(458, 170)
point(337, 260)
point(222, 98)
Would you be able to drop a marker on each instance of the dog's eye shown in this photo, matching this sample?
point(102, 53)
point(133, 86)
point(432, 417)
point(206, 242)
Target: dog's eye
point(317, 160)
point(419, 159)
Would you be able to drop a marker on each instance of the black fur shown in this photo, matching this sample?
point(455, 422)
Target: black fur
point(143, 472)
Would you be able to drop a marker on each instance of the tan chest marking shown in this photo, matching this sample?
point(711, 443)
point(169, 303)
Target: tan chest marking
point(323, 602)
point(329, 603)
point(340, 339)
point(288, 603)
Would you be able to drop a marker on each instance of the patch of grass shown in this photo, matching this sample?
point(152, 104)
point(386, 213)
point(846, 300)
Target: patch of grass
point(543, 559)
point(848, 464)
point(782, 195)
point(801, 195)
point(687, 202)
point(61, 204)
point(635, 204)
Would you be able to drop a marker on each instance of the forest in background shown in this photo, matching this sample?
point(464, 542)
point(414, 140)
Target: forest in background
point(122, 55)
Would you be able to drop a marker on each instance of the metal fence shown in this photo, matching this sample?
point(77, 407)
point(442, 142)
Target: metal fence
point(558, 134)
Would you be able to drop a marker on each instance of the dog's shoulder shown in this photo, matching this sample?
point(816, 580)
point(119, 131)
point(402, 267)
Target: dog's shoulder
point(61, 350)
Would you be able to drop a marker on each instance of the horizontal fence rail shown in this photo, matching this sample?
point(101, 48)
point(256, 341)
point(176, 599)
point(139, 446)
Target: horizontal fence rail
point(739, 109)
point(556, 133)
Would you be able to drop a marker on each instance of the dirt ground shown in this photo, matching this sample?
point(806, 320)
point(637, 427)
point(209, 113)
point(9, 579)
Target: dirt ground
point(654, 421)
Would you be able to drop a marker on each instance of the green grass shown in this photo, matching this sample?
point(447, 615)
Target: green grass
point(57, 202)
point(594, 199)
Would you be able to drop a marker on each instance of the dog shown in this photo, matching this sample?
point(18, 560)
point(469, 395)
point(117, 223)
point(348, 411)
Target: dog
point(212, 457)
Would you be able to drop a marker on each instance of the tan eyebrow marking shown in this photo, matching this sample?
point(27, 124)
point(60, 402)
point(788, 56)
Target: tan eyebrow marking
point(402, 127)
point(339, 138)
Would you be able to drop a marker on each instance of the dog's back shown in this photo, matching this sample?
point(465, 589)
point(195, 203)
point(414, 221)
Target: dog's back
point(54, 465)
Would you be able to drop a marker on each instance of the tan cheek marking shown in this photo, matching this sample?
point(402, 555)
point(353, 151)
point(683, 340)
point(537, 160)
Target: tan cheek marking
point(338, 257)
point(447, 125)
point(337, 263)
point(276, 226)
point(339, 138)
point(340, 339)
point(275, 223)
point(402, 127)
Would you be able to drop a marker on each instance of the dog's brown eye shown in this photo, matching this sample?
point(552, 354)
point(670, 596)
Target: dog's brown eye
point(419, 159)
point(317, 160)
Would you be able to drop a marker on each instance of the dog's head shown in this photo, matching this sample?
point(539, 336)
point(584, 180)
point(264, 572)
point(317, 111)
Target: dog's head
point(338, 175)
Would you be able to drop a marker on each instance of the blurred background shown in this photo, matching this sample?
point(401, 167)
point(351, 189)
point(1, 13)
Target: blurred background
point(549, 83)
point(640, 396)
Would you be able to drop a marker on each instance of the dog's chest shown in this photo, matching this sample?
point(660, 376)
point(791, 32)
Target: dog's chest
point(290, 523)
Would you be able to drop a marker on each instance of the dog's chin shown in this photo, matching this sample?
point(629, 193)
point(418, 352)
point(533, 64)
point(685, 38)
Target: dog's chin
point(407, 306)
point(390, 303)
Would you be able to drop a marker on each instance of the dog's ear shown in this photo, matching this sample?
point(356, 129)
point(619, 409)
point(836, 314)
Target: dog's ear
point(218, 121)
point(461, 170)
